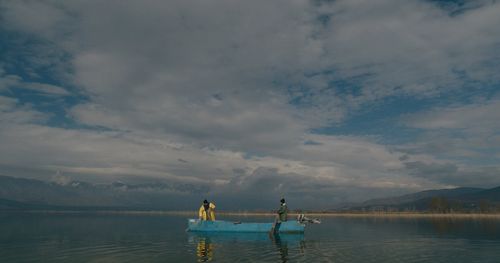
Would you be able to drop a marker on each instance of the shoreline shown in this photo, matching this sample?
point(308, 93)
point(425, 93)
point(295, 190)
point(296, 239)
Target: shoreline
point(269, 214)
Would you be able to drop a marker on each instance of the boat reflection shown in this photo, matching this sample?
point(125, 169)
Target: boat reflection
point(207, 242)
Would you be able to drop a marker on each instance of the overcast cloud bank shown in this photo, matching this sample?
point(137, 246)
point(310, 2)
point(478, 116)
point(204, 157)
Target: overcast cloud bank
point(245, 97)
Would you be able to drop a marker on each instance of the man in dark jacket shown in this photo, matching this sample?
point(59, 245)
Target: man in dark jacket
point(281, 217)
point(283, 211)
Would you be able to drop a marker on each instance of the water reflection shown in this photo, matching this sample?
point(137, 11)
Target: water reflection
point(485, 229)
point(138, 238)
point(208, 243)
point(445, 226)
point(204, 250)
point(281, 246)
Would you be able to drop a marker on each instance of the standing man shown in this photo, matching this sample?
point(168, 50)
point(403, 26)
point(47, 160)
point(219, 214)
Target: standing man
point(283, 211)
point(282, 216)
point(207, 211)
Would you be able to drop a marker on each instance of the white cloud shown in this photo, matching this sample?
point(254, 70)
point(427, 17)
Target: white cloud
point(412, 47)
point(333, 162)
point(35, 17)
point(210, 83)
point(469, 131)
point(7, 103)
point(481, 115)
point(9, 82)
point(11, 113)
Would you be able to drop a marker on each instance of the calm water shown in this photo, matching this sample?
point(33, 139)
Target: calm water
point(160, 238)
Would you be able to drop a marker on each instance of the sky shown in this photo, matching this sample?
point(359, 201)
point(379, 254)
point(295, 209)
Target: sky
point(321, 102)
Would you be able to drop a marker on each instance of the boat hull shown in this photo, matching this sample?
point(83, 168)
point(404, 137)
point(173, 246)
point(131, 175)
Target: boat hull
point(196, 225)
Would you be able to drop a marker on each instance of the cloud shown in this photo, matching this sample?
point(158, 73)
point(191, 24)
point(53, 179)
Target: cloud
point(228, 94)
point(10, 82)
point(7, 103)
point(12, 114)
point(335, 166)
point(467, 131)
point(382, 49)
point(478, 115)
point(25, 16)
point(192, 51)
point(400, 44)
point(449, 173)
point(263, 127)
point(462, 139)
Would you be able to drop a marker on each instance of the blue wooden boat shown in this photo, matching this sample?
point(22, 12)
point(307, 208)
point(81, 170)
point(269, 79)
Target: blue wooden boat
point(197, 225)
point(229, 237)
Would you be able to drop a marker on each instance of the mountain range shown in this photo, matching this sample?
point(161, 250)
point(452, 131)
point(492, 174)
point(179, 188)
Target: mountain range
point(30, 194)
point(443, 200)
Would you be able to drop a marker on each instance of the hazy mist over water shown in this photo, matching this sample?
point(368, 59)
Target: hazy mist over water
point(89, 237)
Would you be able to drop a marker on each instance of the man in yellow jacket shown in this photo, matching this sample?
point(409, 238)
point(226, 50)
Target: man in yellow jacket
point(207, 211)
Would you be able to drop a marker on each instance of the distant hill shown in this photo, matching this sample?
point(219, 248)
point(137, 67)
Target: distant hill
point(457, 199)
point(422, 195)
point(22, 194)
point(491, 195)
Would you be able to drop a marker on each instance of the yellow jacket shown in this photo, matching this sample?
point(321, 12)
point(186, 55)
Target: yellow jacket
point(207, 215)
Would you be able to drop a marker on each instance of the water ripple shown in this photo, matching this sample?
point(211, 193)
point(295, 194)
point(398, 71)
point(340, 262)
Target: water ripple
point(158, 239)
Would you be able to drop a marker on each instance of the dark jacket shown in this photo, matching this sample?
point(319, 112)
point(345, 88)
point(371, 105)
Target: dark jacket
point(283, 213)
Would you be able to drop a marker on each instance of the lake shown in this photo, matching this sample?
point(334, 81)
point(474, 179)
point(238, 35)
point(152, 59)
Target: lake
point(37, 237)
